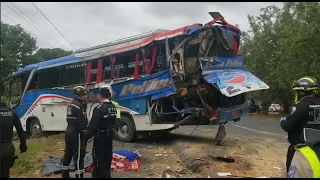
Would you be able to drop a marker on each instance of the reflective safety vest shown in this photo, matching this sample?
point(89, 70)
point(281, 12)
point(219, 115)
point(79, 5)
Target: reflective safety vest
point(305, 163)
point(118, 116)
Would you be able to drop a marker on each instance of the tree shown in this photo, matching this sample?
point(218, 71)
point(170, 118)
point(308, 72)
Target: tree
point(17, 50)
point(48, 54)
point(17, 47)
point(282, 47)
point(18, 44)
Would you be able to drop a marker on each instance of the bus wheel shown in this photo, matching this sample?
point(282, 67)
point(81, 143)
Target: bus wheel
point(126, 132)
point(35, 129)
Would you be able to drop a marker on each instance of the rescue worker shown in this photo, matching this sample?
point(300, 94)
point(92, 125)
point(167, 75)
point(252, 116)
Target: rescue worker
point(302, 114)
point(102, 126)
point(118, 116)
point(8, 119)
point(75, 145)
point(306, 159)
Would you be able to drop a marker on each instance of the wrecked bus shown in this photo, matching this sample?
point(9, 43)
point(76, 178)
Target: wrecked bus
point(162, 80)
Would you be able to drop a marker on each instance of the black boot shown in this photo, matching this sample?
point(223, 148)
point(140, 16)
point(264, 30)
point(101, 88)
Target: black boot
point(108, 174)
point(94, 173)
point(65, 174)
point(79, 175)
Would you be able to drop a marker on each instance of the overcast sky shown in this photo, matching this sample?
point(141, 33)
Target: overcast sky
point(87, 24)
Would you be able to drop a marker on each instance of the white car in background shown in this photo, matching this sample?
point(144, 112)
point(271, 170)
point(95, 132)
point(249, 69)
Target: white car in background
point(274, 108)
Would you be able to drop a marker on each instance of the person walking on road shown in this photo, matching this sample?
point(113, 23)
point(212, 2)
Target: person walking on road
point(75, 146)
point(8, 119)
point(304, 113)
point(102, 126)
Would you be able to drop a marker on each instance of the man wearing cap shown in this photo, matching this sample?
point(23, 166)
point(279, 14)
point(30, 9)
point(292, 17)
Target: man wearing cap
point(75, 133)
point(102, 126)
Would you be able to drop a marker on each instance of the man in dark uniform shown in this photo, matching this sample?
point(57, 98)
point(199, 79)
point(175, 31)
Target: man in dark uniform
point(102, 127)
point(303, 113)
point(8, 119)
point(75, 134)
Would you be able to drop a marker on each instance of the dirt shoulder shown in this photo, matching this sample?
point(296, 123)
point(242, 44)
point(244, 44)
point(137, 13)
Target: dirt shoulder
point(254, 156)
point(184, 155)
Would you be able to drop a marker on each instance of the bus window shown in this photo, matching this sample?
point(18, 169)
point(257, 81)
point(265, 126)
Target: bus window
point(125, 63)
point(34, 84)
point(160, 57)
point(18, 83)
point(94, 70)
point(49, 78)
point(106, 68)
point(72, 74)
point(15, 90)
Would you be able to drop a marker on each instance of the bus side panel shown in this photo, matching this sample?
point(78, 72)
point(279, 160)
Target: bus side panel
point(143, 86)
point(138, 106)
point(143, 123)
point(48, 106)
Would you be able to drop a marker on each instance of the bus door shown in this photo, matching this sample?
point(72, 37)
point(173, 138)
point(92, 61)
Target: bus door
point(23, 101)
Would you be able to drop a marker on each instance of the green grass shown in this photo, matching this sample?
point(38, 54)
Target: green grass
point(29, 163)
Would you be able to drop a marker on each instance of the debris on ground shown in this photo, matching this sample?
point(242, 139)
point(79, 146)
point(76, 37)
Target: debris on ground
point(122, 160)
point(224, 174)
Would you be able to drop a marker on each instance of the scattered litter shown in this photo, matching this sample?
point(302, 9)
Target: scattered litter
point(36, 172)
point(119, 163)
point(167, 174)
point(137, 152)
point(158, 155)
point(224, 174)
point(274, 167)
point(181, 171)
point(201, 159)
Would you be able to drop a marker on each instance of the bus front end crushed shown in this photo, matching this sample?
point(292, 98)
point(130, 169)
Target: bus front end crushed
point(208, 77)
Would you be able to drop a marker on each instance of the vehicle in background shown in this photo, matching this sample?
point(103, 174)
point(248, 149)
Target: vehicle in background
point(274, 108)
point(162, 80)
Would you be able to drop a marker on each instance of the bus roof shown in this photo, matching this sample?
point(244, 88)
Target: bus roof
point(62, 60)
point(116, 47)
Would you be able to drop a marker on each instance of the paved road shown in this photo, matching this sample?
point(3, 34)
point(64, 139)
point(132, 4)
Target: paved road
point(249, 125)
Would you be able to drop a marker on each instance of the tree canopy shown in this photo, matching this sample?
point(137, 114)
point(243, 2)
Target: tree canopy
point(48, 54)
point(282, 46)
point(18, 49)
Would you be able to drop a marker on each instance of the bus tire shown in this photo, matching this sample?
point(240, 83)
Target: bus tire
point(35, 129)
point(126, 132)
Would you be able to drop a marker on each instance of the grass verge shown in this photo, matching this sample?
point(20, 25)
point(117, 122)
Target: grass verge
point(39, 149)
